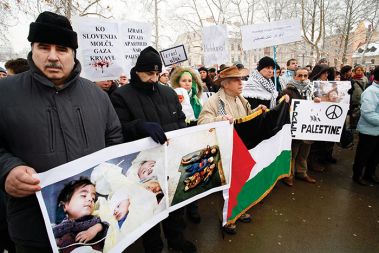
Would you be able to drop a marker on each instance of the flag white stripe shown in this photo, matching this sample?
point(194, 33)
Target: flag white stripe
point(268, 150)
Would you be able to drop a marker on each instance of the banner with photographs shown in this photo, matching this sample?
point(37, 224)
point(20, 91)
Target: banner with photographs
point(317, 121)
point(105, 201)
point(109, 48)
point(199, 162)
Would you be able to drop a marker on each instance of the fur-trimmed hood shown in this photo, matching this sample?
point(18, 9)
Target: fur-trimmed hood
point(195, 76)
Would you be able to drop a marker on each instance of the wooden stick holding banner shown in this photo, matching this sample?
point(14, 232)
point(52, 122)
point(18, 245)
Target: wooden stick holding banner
point(274, 48)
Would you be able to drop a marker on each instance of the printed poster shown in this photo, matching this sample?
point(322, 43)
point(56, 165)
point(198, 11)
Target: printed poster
point(199, 163)
point(332, 91)
point(105, 201)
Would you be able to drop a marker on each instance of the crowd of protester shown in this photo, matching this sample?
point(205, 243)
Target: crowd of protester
point(138, 105)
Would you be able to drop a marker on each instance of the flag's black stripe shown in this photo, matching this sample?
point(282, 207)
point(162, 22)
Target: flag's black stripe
point(264, 126)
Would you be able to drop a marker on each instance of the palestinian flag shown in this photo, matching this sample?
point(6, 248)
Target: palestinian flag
point(261, 156)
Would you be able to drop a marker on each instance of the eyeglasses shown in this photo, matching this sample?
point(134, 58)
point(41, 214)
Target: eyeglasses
point(300, 75)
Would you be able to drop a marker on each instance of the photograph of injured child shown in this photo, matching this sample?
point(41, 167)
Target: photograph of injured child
point(332, 91)
point(195, 172)
point(98, 208)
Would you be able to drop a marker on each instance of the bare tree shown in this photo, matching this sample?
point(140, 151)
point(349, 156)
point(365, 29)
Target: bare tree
point(245, 10)
point(312, 14)
point(373, 18)
point(277, 10)
point(69, 8)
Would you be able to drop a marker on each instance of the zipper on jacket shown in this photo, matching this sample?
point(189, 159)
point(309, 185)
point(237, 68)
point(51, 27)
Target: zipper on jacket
point(51, 130)
point(83, 129)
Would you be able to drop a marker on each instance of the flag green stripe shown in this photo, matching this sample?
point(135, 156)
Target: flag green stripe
point(257, 186)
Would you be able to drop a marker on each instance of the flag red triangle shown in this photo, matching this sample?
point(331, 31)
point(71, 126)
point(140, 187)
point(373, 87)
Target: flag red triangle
point(242, 164)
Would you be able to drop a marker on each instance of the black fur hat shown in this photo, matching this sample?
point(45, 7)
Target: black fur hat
point(52, 28)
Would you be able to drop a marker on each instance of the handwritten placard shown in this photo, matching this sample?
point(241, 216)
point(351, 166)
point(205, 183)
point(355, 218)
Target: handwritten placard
point(135, 36)
point(173, 55)
point(270, 34)
point(215, 44)
point(99, 50)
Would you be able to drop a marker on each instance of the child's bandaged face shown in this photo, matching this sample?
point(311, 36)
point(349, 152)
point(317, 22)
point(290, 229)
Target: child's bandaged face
point(81, 203)
point(121, 209)
point(146, 169)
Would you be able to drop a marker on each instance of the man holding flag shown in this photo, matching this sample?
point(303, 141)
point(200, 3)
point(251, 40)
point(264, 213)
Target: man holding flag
point(229, 104)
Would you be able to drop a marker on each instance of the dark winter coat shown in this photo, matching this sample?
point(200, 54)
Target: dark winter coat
point(139, 102)
point(43, 127)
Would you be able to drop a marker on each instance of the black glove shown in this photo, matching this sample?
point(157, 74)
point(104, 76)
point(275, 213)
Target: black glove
point(154, 130)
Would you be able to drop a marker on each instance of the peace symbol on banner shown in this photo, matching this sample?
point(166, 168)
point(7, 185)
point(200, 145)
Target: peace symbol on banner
point(333, 112)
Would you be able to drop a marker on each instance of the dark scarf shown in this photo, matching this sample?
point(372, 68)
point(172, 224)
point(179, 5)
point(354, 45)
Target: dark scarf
point(136, 82)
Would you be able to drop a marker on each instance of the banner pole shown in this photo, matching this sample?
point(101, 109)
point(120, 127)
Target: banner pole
point(274, 49)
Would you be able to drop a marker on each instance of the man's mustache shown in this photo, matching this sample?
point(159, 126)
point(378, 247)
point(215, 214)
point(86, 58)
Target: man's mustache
point(54, 65)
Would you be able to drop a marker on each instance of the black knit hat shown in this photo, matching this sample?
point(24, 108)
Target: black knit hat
point(52, 28)
point(265, 62)
point(149, 60)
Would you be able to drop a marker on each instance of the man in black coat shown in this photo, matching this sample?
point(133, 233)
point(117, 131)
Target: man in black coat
point(147, 108)
point(49, 116)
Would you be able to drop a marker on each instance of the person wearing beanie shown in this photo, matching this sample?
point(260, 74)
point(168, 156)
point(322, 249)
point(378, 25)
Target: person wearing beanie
point(3, 73)
point(259, 88)
point(147, 108)
point(50, 116)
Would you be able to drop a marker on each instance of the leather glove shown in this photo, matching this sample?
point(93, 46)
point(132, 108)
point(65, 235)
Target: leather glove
point(154, 130)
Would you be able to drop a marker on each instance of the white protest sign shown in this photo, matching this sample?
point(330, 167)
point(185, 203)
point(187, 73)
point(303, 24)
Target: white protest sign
point(215, 44)
point(270, 34)
point(135, 36)
point(99, 50)
point(317, 121)
point(173, 55)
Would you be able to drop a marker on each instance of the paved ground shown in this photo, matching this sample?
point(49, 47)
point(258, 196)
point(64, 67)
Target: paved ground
point(334, 215)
